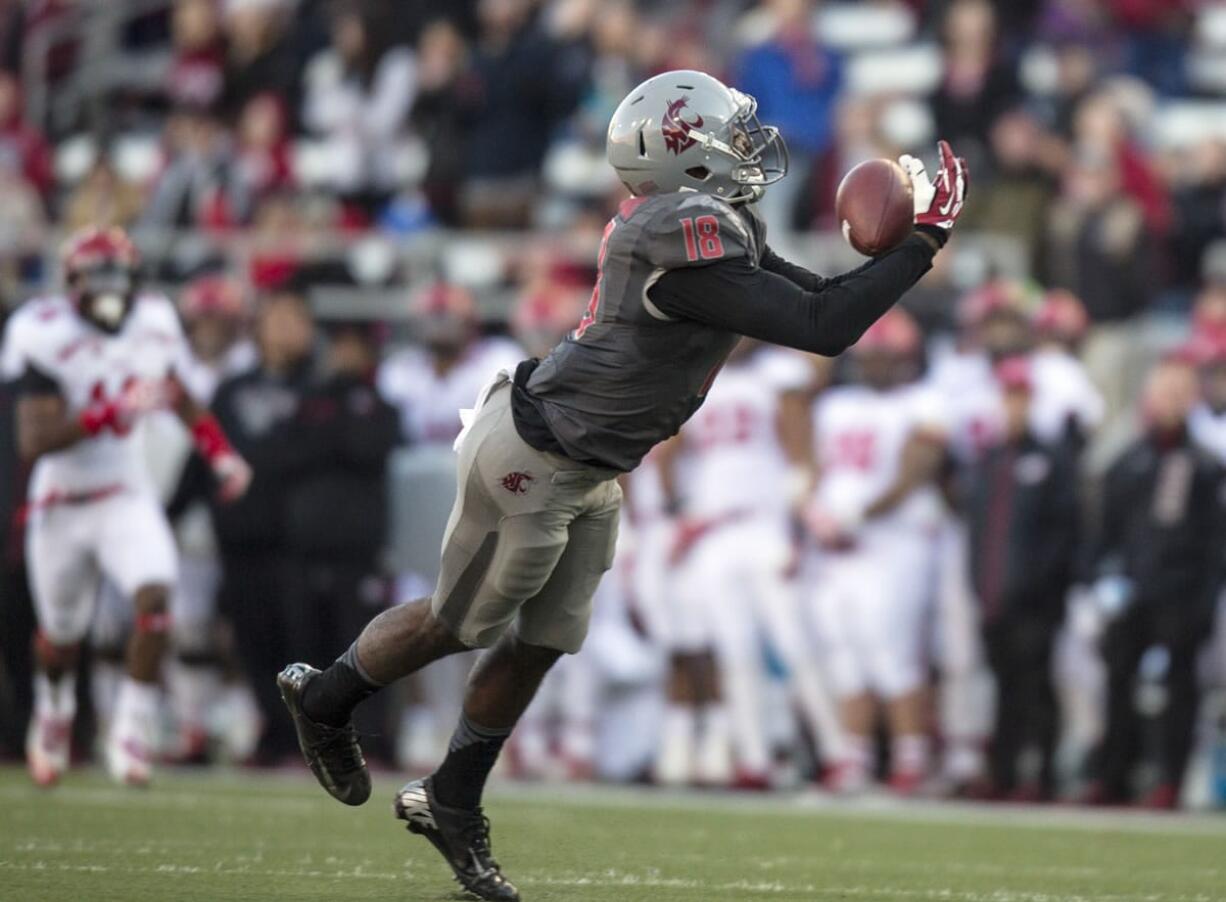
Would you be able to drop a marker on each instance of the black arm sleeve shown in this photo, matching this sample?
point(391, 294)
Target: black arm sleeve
point(776, 307)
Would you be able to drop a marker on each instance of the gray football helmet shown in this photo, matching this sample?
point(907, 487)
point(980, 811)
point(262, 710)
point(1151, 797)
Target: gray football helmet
point(685, 130)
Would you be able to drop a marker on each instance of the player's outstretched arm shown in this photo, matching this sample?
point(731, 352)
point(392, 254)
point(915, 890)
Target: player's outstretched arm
point(785, 304)
point(232, 473)
point(45, 424)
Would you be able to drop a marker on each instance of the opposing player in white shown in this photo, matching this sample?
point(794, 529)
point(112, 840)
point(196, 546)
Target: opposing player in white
point(733, 586)
point(874, 514)
point(91, 363)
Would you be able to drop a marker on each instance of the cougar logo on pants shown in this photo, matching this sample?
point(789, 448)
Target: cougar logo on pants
point(516, 483)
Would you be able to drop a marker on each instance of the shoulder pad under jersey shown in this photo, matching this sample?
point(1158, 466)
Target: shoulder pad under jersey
point(689, 229)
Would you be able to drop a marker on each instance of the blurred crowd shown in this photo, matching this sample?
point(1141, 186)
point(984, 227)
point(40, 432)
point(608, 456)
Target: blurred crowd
point(983, 555)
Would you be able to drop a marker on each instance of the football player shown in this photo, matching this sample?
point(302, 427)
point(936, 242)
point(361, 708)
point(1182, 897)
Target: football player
point(875, 512)
point(734, 552)
point(92, 362)
point(683, 272)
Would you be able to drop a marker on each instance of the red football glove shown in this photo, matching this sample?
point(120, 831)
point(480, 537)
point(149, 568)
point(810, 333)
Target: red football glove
point(938, 202)
point(118, 415)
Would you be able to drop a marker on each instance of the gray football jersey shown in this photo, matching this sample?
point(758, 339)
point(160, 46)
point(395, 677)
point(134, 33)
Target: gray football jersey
point(630, 375)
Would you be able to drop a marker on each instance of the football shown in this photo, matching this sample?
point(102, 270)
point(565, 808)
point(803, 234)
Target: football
point(875, 207)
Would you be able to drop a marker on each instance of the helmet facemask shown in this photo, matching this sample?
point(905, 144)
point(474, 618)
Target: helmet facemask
point(104, 294)
point(758, 152)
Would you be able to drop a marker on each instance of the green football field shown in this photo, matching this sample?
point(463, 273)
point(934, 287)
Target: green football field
point(224, 837)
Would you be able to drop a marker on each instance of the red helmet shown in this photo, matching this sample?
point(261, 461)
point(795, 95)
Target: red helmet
point(216, 295)
point(1062, 316)
point(100, 272)
point(93, 248)
point(895, 333)
point(999, 296)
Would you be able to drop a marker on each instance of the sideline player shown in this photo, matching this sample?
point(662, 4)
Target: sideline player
point(91, 363)
point(683, 270)
point(876, 510)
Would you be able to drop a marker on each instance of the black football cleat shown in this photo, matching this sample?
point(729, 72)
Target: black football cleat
point(332, 753)
point(462, 837)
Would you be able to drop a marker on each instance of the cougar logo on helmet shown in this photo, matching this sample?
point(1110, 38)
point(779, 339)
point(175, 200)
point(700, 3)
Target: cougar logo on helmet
point(677, 131)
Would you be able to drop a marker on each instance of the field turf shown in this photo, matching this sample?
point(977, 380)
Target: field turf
point(277, 837)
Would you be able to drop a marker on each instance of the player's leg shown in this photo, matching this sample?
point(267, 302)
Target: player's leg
point(63, 581)
point(136, 551)
point(836, 615)
point(896, 608)
point(730, 557)
point(108, 640)
point(194, 676)
point(446, 807)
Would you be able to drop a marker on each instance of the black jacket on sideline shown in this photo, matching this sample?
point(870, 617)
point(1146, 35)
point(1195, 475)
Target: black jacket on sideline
point(1023, 517)
point(256, 410)
point(336, 500)
point(1161, 523)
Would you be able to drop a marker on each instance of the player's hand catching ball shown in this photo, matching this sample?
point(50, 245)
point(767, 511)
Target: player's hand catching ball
point(938, 202)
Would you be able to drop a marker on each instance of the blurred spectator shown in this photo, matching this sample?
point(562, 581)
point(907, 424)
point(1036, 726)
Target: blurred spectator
point(102, 199)
point(1022, 517)
point(16, 607)
point(519, 86)
point(335, 511)
point(197, 71)
point(977, 84)
point(1158, 564)
point(258, 56)
point(1208, 420)
point(1101, 129)
point(1199, 206)
point(1016, 199)
point(12, 30)
point(198, 187)
point(255, 408)
point(357, 95)
point(25, 154)
point(262, 160)
point(442, 58)
point(215, 317)
point(1098, 248)
point(796, 82)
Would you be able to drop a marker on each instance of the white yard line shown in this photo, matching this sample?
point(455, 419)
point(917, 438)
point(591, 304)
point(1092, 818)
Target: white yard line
point(612, 879)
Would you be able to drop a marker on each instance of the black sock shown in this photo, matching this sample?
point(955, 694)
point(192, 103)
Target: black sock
point(331, 697)
point(460, 779)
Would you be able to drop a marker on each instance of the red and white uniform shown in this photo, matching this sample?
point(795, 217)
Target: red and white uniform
point(93, 507)
point(430, 404)
point(870, 597)
point(736, 502)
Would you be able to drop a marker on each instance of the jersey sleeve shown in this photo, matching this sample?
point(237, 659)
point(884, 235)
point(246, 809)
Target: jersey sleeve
point(24, 360)
point(696, 230)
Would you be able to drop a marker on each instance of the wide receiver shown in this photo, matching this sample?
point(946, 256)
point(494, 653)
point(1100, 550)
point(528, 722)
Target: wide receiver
point(90, 363)
point(683, 272)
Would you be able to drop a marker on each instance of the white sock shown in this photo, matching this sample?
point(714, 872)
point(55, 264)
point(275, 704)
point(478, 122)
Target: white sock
point(715, 747)
point(56, 698)
point(675, 753)
point(742, 709)
point(859, 753)
point(193, 691)
point(137, 702)
point(910, 754)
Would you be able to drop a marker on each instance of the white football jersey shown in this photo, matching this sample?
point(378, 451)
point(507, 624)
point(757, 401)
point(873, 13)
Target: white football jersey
point(430, 404)
point(1209, 431)
point(860, 437)
point(201, 377)
point(734, 463)
point(974, 409)
point(49, 336)
point(1063, 394)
